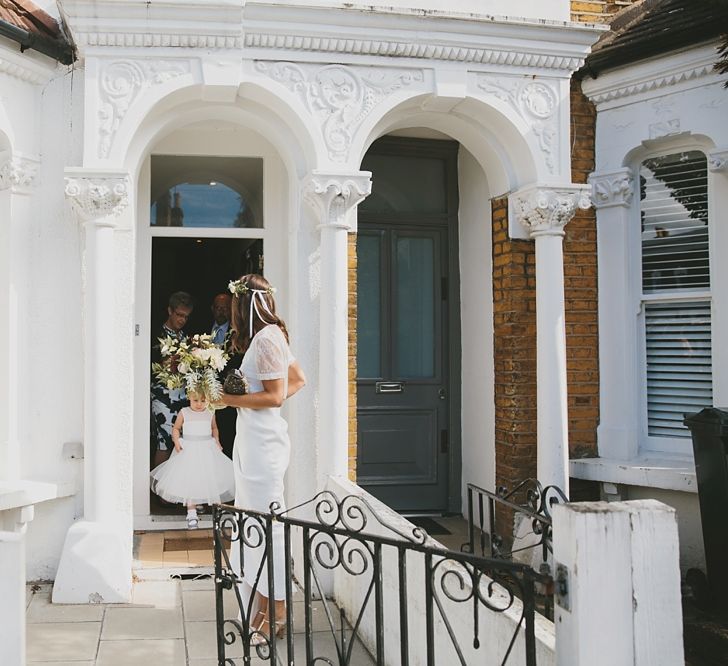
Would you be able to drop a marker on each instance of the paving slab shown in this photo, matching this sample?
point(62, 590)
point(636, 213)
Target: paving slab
point(142, 623)
point(42, 610)
point(169, 652)
point(199, 605)
point(62, 641)
point(157, 593)
point(202, 641)
point(202, 583)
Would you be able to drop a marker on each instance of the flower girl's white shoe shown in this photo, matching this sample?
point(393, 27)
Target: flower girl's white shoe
point(192, 523)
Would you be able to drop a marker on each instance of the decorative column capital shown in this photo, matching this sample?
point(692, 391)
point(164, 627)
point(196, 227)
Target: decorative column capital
point(545, 210)
point(718, 160)
point(334, 195)
point(97, 197)
point(612, 188)
point(20, 173)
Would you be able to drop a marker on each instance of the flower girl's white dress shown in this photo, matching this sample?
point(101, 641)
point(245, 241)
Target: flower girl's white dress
point(200, 473)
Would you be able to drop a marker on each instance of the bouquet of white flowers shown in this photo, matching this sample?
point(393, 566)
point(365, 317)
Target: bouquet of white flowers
point(192, 364)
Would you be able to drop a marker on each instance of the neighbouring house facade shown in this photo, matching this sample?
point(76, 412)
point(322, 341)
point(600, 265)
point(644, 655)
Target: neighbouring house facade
point(415, 182)
point(660, 186)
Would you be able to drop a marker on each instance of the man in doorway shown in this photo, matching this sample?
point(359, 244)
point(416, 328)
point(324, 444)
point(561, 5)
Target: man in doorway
point(166, 403)
point(221, 333)
point(221, 311)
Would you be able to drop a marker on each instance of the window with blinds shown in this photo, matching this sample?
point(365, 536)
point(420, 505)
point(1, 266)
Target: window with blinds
point(675, 266)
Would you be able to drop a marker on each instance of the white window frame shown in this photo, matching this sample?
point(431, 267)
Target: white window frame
point(651, 446)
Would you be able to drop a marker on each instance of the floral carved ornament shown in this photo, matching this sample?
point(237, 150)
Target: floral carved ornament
point(338, 96)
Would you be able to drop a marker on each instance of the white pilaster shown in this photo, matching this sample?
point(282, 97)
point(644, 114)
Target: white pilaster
point(95, 565)
point(334, 198)
point(18, 177)
point(618, 431)
point(544, 212)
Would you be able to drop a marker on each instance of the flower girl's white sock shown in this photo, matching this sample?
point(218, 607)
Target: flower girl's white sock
point(191, 513)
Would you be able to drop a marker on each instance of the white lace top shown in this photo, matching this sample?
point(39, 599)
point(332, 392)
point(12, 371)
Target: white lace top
point(268, 357)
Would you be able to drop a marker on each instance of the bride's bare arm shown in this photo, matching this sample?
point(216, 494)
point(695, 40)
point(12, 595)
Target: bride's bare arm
point(296, 379)
point(271, 396)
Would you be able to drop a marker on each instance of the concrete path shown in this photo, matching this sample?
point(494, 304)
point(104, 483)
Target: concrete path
point(168, 623)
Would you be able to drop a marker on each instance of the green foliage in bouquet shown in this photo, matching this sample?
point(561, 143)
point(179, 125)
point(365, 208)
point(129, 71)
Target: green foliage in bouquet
point(192, 364)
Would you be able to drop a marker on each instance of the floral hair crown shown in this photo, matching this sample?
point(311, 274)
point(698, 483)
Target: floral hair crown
point(238, 287)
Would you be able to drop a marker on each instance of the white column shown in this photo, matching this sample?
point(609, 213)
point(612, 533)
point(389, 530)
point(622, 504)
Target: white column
point(618, 431)
point(13, 526)
point(617, 573)
point(334, 197)
point(95, 565)
point(544, 211)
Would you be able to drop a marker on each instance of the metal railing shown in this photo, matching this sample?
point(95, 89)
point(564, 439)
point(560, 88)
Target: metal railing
point(528, 500)
point(404, 582)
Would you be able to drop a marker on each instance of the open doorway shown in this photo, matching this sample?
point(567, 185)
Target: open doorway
point(201, 267)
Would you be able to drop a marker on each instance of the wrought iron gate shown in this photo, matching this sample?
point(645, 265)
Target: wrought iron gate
point(407, 599)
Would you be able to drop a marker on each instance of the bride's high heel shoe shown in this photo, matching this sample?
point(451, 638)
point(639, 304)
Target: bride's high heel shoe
point(257, 629)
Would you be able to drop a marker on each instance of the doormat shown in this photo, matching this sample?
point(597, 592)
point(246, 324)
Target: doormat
point(432, 527)
point(176, 545)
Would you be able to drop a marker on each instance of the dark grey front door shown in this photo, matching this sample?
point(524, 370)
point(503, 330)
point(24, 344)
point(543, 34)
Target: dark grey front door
point(403, 325)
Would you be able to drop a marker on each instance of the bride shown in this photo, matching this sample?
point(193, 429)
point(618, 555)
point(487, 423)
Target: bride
point(262, 448)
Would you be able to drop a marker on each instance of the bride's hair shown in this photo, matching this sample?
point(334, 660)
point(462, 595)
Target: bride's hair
point(252, 286)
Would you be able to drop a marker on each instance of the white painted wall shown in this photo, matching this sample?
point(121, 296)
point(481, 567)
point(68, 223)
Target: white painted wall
point(476, 317)
point(687, 511)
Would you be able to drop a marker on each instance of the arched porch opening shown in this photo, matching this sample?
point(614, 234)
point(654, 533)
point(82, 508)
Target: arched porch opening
point(492, 159)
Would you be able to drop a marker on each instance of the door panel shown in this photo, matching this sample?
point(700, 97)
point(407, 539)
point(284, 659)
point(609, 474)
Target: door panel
point(401, 412)
point(406, 243)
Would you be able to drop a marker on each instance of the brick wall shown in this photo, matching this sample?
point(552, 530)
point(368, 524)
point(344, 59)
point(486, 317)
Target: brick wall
point(514, 351)
point(514, 324)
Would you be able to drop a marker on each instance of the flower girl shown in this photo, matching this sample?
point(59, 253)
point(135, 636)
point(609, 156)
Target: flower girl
point(197, 472)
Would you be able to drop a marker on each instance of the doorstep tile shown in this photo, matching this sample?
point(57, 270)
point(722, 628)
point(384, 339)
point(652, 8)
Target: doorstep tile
point(201, 583)
point(134, 652)
point(59, 641)
point(142, 623)
point(202, 558)
point(61, 663)
point(176, 558)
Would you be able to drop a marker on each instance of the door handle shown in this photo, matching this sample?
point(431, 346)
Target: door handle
point(442, 394)
point(389, 387)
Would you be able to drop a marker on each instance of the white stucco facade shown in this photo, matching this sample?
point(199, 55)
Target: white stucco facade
point(307, 89)
point(655, 107)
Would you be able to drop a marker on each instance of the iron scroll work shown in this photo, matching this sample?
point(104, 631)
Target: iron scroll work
point(400, 585)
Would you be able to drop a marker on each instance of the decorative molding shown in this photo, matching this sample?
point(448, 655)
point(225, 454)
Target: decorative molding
point(18, 71)
point(536, 102)
point(212, 24)
point(120, 83)
point(20, 173)
point(413, 49)
point(545, 210)
point(353, 29)
point(718, 160)
point(339, 97)
point(653, 78)
point(612, 188)
point(98, 198)
point(332, 196)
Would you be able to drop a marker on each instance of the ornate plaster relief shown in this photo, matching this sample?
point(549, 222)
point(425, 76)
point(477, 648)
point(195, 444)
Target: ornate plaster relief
point(98, 199)
point(339, 97)
point(614, 188)
point(547, 210)
point(535, 101)
point(120, 84)
point(333, 196)
point(19, 173)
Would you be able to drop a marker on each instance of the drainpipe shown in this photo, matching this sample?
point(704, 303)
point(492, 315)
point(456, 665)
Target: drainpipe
point(60, 51)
